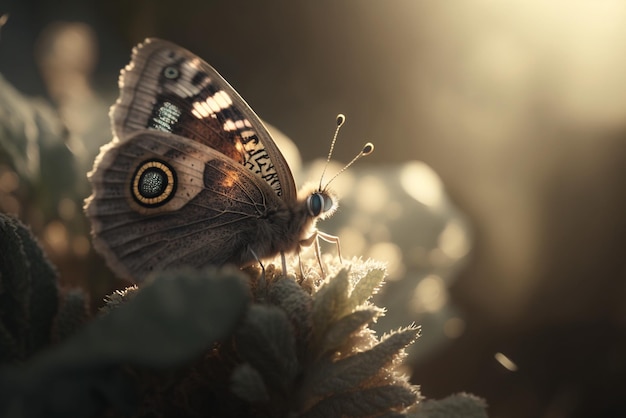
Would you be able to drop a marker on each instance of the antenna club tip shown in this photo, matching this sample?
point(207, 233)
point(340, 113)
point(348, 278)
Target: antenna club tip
point(341, 118)
point(367, 149)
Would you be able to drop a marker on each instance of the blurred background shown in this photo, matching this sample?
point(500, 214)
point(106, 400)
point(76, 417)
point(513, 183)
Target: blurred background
point(496, 191)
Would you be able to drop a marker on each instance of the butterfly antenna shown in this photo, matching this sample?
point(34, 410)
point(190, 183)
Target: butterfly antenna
point(368, 148)
point(341, 119)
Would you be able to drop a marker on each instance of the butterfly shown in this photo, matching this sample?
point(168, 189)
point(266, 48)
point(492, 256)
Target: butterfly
point(192, 177)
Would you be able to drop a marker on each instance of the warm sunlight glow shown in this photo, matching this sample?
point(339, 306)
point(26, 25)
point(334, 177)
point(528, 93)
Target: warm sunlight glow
point(55, 236)
point(352, 240)
point(430, 295)
point(80, 245)
point(453, 240)
point(371, 194)
point(422, 183)
point(506, 362)
point(454, 327)
point(67, 209)
point(392, 254)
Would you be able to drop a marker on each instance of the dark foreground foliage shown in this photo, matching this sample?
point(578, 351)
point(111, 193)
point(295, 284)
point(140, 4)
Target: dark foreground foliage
point(216, 342)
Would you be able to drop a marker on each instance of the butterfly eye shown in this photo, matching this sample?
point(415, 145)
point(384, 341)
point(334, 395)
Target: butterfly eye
point(171, 73)
point(328, 203)
point(317, 203)
point(153, 184)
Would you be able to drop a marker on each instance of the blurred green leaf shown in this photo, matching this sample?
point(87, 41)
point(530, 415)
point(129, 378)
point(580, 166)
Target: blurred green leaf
point(330, 302)
point(461, 405)
point(341, 330)
point(371, 402)
point(33, 142)
point(247, 383)
point(28, 292)
point(266, 341)
point(344, 374)
point(168, 322)
point(73, 313)
point(287, 294)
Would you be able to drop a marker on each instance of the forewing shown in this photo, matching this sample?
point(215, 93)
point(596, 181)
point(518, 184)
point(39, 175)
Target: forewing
point(168, 88)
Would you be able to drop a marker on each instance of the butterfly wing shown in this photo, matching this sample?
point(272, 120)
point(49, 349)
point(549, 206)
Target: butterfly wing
point(216, 216)
point(170, 89)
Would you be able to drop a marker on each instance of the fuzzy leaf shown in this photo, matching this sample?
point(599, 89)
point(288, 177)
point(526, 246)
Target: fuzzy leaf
point(117, 298)
point(370, 402)
point(340, 330)
point(9, 350)
point(296, 303)
point(34, 142)
point(266, 341)
point(289, 296)
point(15, 285)
point(77, 395)
point(73, 312)
point(169, 321)
point(29, 293)
point(43, 299)
point(18, 131)
point(346, 374)
point(366, 287)
point(180, 312)
point(461, 405)
point(330, 302)
point(247, 383)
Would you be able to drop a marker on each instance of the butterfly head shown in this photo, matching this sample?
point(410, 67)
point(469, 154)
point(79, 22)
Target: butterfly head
point(321, 204)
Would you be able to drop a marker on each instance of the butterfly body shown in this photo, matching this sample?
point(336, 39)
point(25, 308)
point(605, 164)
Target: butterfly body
point(191, 177)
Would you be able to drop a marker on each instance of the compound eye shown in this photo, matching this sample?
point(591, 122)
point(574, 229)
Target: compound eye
point(316, 203)
point(328, 203)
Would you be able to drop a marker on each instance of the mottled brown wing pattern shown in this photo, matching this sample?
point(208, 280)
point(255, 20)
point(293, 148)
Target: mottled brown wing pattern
point(168, 88)
point(214, 222)
point(192, 177)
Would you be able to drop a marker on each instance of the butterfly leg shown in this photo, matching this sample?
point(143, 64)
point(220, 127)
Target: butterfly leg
point(284, 262)
point(314, 240)
point(300, 263)
point(262, 278)
point(333, 240)
point(318, 253)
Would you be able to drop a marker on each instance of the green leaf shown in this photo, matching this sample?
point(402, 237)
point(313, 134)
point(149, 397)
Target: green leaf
point(43, 298)
point(28, 292)
point(34, 143)
point(180, 312)
point(296, 303)
point(169, 321)
point(117, 298)
point(461, 405)
point(366, 287)
point(15, 275)
point(60, 395)
point(18, 131)
point(348, 373)
point(9, 351)
point(341, 330)
point(330, 302)
point(266, 341)
point(73, 312)
point(369, 402)
point(247, 383)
